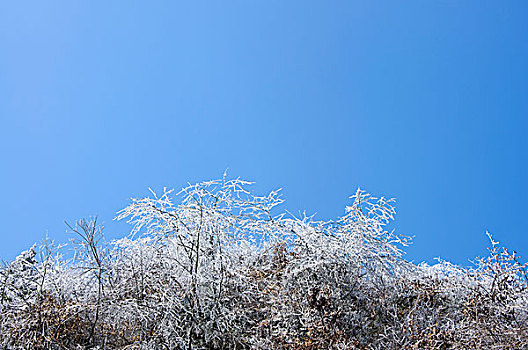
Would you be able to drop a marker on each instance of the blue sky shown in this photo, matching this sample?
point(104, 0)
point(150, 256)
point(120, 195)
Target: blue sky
point(425, 101)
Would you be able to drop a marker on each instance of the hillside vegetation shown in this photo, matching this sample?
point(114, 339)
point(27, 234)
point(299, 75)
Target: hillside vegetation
point(220, 269)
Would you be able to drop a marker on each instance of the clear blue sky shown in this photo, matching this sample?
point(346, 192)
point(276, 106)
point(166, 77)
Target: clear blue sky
point(425, 101)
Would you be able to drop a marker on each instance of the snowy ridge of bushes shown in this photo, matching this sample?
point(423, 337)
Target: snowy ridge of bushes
point(219, 270)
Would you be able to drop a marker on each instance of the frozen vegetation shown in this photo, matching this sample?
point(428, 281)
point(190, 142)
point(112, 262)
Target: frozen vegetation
point(220, 269)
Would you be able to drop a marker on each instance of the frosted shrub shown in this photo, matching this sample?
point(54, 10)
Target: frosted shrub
point(223, 269)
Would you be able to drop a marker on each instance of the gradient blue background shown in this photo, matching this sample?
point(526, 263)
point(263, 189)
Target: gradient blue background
point(425, 101)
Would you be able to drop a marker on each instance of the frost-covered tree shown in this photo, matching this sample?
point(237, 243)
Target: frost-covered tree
point(222, 268)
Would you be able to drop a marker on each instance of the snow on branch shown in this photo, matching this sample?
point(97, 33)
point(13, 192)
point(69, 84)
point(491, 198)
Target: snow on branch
point(215, 266)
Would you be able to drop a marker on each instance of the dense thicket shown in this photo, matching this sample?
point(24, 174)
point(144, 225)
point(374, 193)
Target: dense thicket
point(220, 270)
